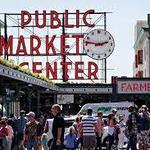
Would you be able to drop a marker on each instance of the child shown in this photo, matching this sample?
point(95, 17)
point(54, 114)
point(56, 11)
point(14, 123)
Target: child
point(70, 139)
point(44, 141)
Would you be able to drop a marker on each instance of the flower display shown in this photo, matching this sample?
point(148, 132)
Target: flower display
point(11, 64)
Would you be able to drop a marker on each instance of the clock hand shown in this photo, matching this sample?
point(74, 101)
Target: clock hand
point(101, 44)
point(89, 42)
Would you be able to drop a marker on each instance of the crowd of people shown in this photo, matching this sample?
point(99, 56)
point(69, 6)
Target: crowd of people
point(88, 132)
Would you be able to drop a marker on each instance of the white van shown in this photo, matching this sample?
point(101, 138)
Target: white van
point(106, 108)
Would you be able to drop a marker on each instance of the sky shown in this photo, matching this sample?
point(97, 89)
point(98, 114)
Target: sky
point(120, 23)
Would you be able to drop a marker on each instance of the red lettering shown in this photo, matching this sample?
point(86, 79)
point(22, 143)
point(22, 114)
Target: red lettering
point(50, 44)
point(91, 11)
point(148, 86)
point(123, 86)
point(32, 42)
point(92, 71)
point(63, 45)
point(6, 47)
point(135, 87)
point(129, 87)
point(25, 18)
point(65, 65)
point(24, 64)
point(67, 25)
point(54, 20)
point(142, 87)
point(21, 43)
point(77, 36)
point(52, 71)
point(77, 18)
point(78, 70)
point(43, 20)
point(34, 65)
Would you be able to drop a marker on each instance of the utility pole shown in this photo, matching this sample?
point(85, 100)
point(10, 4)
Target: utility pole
point(5, 34)
point(64, 56)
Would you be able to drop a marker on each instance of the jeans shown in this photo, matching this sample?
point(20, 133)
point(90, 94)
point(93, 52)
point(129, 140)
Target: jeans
point(31, 144)
point(111, 141)
point(132, 142)
point(98, 144)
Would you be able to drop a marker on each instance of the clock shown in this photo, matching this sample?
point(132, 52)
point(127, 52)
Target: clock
point(98, 44)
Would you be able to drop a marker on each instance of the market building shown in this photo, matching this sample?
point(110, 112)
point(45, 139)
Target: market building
point(22, 89)
point(141, 66)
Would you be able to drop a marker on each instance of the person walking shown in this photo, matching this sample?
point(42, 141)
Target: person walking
point(33, 132)
point(89, 128)
point(70, 139)
point(10, 135)
point(132, 124)
point(76, 125)
point(21, 123)
point(58, 128)
point(100, 125)
point(3, 134)
point(144, 128)
point(48, 130)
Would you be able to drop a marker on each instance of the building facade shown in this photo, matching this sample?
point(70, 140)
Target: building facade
point(141, 65)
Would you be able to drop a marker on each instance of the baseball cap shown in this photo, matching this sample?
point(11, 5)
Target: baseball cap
point(23, 111)
point(31, 113)
point(114, 109)
point(130, 106)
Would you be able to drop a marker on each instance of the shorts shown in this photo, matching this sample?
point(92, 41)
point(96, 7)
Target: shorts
point(89, 141)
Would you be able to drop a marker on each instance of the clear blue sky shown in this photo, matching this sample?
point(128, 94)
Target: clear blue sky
point(120, 23)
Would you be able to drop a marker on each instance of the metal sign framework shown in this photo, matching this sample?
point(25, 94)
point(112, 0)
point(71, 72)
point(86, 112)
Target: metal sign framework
point(12, 26)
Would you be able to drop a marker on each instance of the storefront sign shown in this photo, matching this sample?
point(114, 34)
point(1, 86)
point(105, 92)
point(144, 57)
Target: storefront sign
point(97, 43)
point(65, 99)
point(133, 87)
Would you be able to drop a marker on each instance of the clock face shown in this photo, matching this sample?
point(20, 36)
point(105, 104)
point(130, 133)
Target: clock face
point(99, 44)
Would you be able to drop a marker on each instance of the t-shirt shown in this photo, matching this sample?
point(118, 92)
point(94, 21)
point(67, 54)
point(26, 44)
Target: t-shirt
point(10, 132)
point(100, 124)
point(58, 122)
point(133, 123)
point(111, 130)
point(21, 122)
point(70, 140)
point(50, 124)
point(33, 129)
point(88, 125)
point(3, 132)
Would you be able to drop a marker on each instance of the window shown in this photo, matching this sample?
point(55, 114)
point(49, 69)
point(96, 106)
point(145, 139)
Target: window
point(140, 74)
point(136, 62)
point(140, 57)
